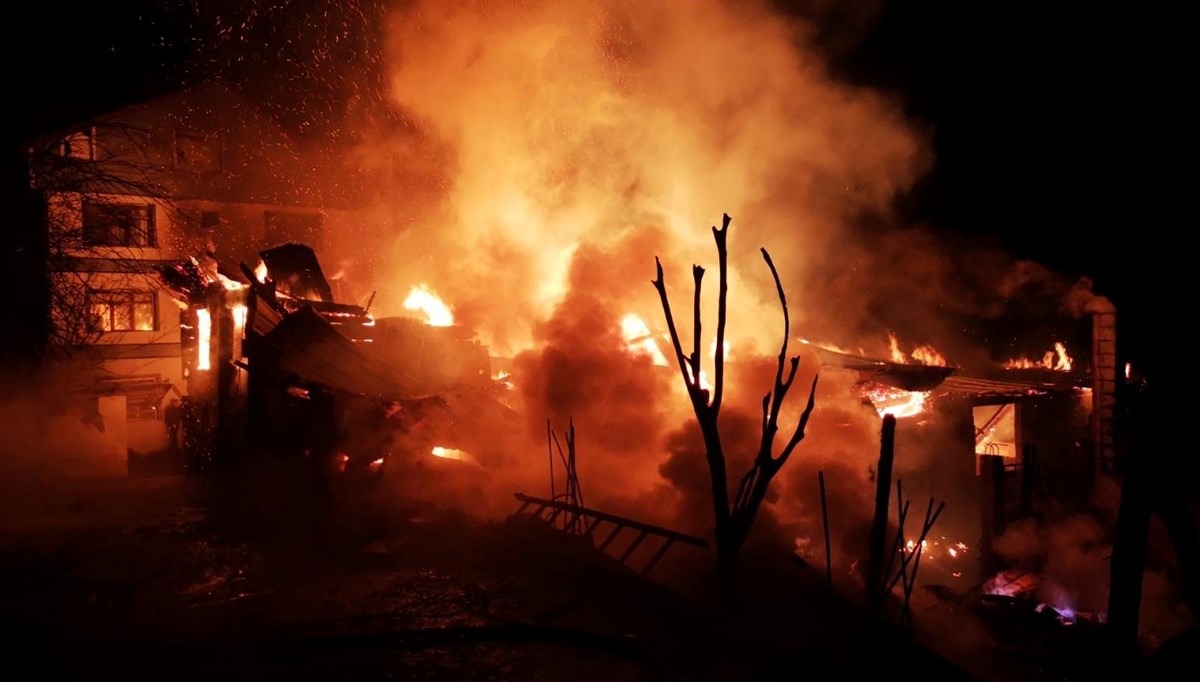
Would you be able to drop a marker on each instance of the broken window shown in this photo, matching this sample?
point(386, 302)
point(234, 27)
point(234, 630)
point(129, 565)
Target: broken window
point(118, 224)
point(123, 311)
point(210, 220)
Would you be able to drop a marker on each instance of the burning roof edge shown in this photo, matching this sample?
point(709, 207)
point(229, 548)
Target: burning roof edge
point(949, 380)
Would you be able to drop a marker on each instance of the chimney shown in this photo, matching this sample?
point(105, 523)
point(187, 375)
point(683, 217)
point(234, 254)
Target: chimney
point(1104, 379)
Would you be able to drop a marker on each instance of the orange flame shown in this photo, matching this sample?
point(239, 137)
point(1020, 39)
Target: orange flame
point(260, 272)
point(451, 453)
point(1057, 360)
point(928, 355)
point(925, 354)
point(898, 356)
point(422, 299)
point(897, 402)
point(203, 338)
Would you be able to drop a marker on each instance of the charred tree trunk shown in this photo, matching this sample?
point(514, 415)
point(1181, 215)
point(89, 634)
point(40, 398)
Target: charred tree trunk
point(874, 578)
point(733, 520)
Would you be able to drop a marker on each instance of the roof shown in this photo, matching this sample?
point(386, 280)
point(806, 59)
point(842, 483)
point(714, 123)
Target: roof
point(952, 380)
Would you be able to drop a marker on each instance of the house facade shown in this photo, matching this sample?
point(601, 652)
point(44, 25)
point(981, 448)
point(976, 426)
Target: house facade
point(200, 173)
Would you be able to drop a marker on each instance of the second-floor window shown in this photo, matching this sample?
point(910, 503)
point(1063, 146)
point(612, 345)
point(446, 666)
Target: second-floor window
point(198, 153)
point(79, 145)
point(123, 311)
point(118, 224)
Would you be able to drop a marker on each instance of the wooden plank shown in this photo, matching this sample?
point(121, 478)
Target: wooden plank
point(634, 545)
point(613, 518)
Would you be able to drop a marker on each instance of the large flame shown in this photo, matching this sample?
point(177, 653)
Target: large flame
point(422, 299)
point(923, 355)
point(554, 129)
point(896, 402)
point(1057, 360)
point(928, 355)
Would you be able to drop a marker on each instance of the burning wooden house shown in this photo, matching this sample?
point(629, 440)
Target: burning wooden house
point(275, 366)
point(1005, 431)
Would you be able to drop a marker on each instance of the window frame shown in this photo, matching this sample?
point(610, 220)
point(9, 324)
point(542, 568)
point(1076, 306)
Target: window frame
point(111, 298)
point(66, 148)
point(108, 209)
point(217, 139)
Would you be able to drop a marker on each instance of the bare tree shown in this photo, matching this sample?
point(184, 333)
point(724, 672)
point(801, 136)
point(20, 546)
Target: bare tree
point(734, 520)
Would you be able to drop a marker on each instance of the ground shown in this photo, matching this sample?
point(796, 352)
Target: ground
point(169, 579)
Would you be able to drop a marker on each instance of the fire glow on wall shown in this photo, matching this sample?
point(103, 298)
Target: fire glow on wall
point(203, 338)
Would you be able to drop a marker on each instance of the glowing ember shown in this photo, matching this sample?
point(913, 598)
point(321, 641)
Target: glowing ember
point(1012, 583)
point(260, 272)
point(1128, 370)
point(203, 338)
point(422, 299)
point(639, 340)
point(896, 402)
point(450, 453)
point(1056, 359)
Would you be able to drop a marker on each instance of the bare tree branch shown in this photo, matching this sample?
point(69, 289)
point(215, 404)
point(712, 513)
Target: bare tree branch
point(733, 523)
point(720, 236)
point(697, 280)
point(660, 284)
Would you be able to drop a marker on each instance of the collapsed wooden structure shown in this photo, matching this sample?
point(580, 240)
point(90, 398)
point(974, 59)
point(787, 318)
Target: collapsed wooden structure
point(274, 366)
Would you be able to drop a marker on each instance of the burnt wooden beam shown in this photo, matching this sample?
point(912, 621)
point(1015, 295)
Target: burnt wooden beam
point(883, 488)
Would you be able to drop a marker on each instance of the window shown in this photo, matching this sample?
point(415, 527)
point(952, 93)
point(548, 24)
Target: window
point(123, 311)
point(283, 227)
point(118, 224)
point(210, 220)
point(198, 153)
point(78, 145)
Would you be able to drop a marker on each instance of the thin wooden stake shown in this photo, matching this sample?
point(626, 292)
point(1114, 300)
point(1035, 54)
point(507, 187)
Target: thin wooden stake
point(825, 519)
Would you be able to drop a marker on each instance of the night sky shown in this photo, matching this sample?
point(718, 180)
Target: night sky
point(1038, 110)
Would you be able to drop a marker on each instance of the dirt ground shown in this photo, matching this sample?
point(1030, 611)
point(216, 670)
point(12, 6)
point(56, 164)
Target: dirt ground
point(164, 578)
